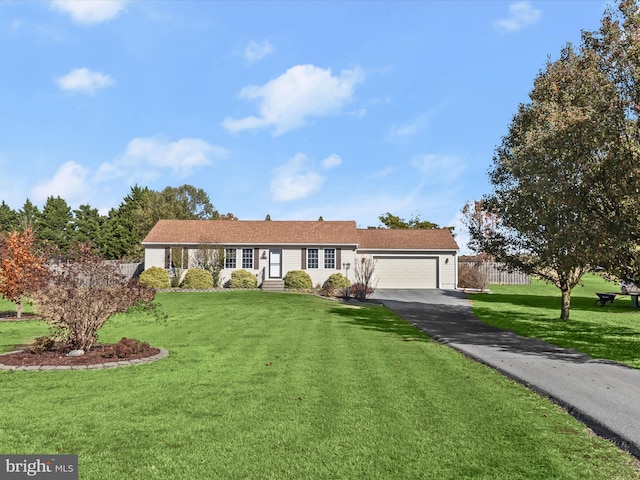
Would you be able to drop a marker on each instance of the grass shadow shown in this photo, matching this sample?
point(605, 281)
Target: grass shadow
point(610, 332)
point(380, 319)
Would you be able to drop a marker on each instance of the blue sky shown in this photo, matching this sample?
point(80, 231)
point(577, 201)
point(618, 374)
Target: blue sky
point(294, 109)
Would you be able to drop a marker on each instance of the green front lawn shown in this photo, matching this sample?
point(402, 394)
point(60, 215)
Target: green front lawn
point(286, 386)
point(611, 332)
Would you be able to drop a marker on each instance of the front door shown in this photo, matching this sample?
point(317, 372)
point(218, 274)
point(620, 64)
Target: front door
point(275, 263)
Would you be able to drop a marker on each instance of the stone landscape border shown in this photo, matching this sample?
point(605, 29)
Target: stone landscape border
point(96, 366)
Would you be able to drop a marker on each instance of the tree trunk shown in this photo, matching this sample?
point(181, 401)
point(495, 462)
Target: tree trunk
point(566, 303)
point(19, 308)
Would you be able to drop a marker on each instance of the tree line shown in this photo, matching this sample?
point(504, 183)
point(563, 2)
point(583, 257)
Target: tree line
point(117, 235)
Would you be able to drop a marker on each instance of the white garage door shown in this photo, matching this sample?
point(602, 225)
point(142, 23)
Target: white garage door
point(407, 272)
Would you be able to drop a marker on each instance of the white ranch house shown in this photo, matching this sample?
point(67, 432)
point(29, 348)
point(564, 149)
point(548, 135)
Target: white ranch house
point(270, 249)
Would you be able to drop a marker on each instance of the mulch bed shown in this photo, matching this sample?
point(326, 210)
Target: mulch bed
point(58, 358)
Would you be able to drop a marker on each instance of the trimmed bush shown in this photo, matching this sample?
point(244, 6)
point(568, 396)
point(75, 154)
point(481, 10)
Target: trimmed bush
point(297, 280)
point(197, 278)
point(155, 277)
point(336, 281)
point(243, 279)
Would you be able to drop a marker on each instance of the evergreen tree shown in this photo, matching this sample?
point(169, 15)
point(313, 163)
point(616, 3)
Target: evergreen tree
point(8, 218)
point(88, 226)
point(28, 216)
point(55, 227)
point(124, 230)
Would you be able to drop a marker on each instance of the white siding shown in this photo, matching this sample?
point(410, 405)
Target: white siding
point(292, 260)
point(153, 257)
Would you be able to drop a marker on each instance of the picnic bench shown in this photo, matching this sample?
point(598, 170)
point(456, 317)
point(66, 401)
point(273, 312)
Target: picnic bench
point(604, 298)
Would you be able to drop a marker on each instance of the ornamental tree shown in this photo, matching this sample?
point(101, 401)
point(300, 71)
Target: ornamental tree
point(559, 175)
point(22, 270)
point(84, 293)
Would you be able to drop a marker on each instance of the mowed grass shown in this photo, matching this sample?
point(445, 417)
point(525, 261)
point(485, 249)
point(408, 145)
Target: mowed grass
point(286, 386)
point(610, 332)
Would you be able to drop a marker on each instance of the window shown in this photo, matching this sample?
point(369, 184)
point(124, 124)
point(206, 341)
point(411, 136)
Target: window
point(247, 258)
point(330, 258)
point(312, 258)
point(229, 258)
point(177, 257)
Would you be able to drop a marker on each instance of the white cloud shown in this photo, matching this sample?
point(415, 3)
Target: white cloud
point(295, 179)
point(89, 12)
point(303, 91)
point(255, 51)
point(443, 170)
point(69, 182)
point(385, 172)
point(144, 158)
point(409, 129)
point(521, 14)
point(83, 80)
point(331, 161)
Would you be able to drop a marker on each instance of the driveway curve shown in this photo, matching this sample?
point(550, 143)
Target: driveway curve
point(602, 394)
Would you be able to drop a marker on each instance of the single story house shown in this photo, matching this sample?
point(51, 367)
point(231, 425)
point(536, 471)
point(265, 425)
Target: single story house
point(269, 249)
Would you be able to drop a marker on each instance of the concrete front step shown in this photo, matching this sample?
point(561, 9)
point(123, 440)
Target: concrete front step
point(273, 286)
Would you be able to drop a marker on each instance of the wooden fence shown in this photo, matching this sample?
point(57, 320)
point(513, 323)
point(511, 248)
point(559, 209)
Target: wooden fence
point(496, 274)
point(131, 270)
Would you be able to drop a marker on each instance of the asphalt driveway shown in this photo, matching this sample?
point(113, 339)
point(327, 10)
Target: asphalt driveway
point(604, 395)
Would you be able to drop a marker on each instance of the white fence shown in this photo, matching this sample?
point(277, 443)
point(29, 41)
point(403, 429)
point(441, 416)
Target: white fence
point(496, 273)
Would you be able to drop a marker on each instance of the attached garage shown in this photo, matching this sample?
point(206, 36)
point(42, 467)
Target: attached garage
point(409, 258)
point(406, 271)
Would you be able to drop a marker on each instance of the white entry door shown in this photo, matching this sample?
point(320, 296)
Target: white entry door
point(275, 263)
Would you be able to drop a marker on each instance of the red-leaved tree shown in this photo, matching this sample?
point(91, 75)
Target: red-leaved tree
point(22, 270)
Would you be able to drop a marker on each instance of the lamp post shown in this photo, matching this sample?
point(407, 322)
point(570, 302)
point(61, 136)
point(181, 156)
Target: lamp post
point(346, 267)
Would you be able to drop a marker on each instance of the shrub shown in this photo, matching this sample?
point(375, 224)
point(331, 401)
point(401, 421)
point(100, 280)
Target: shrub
point(84, 293)
point(297, 280)
point(124, 348)
point(365, 282)
point(155, 277)
point(42, 344)
point(470, 276)
point(197, 278)
point(336, 281)
point(361, 290)
point(243, 279)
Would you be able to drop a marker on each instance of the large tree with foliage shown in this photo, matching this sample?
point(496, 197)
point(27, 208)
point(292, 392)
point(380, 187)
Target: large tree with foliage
point(8, 218)
point(55, 227)
point(28, 216)
point(554, 172)
point(393, 221)
point(22, 269)
point(88, 226)
point(124, 231)
point(175, 203)
point(617, 45)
